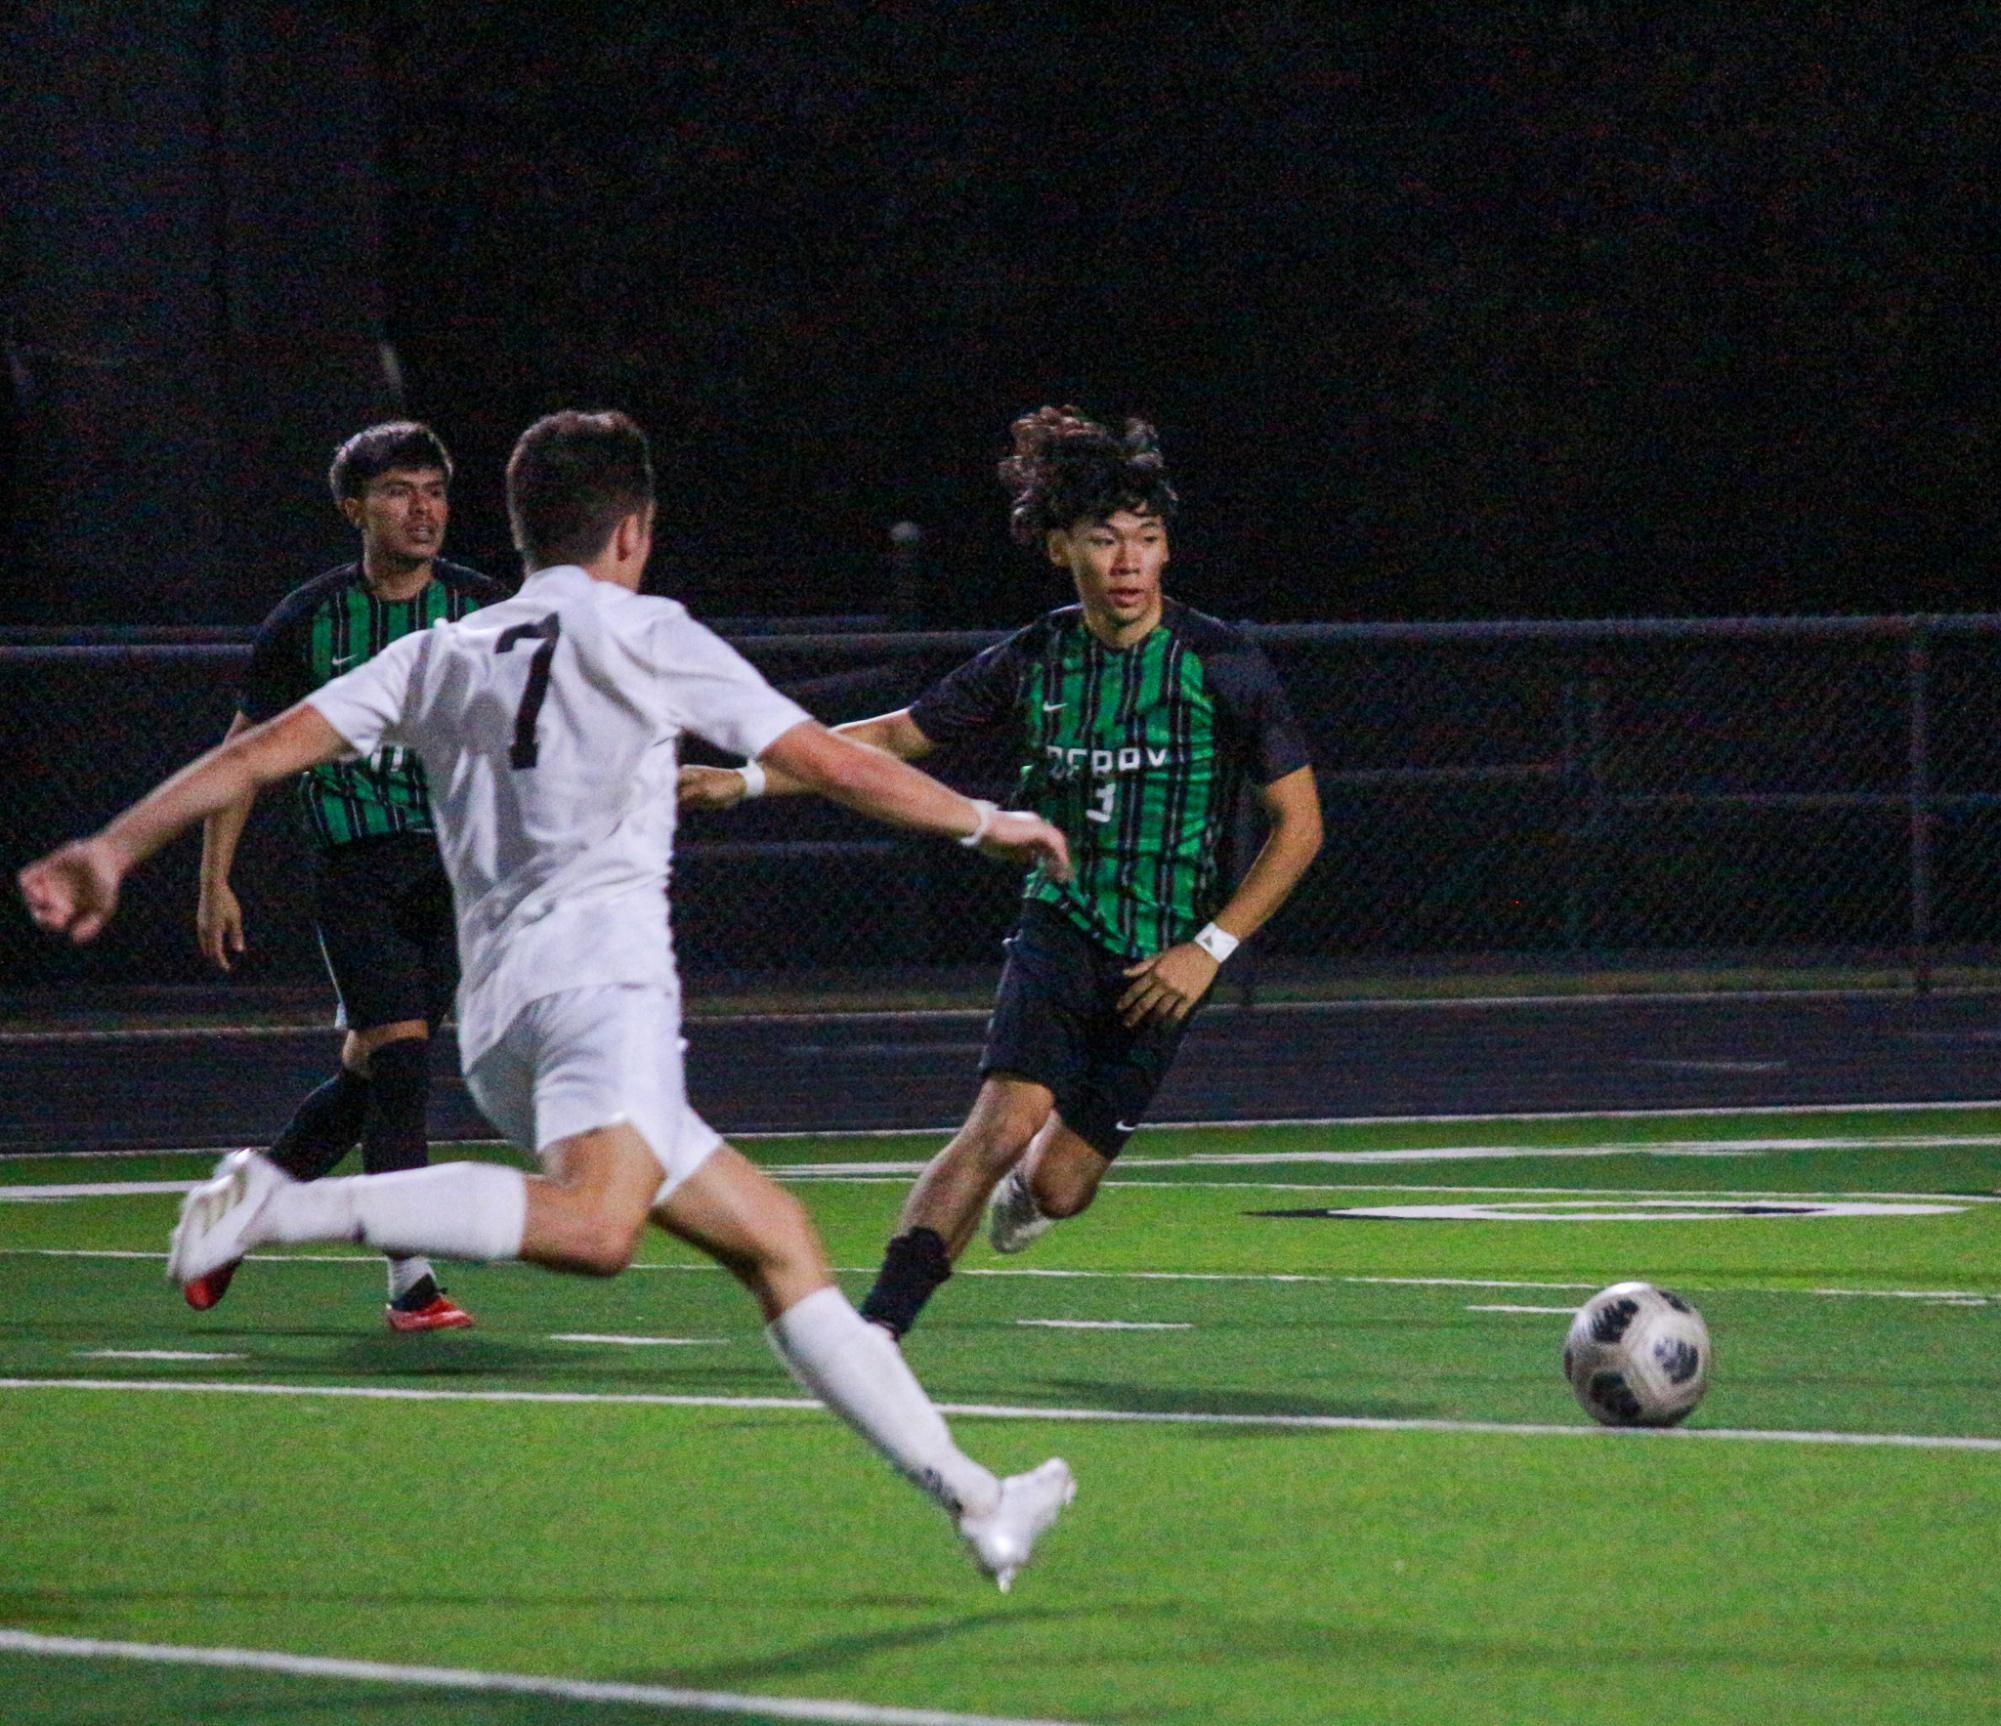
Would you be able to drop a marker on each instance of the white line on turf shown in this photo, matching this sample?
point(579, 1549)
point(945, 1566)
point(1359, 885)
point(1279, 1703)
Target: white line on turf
point(90, 1190)
point(1730, 1193)
point(1099, 1324)
point(1682, 1210)
point(876, 1170)
point(1010, 1411)
point(1613, 1148)
point(505, 1683)
point(207, 1151)
point(637, 1341)
point(141, 1189)
point(154, 1354)
point(1757, 1112)
point(355, 1259)
point(1952, 1297)
point(1502, 1306)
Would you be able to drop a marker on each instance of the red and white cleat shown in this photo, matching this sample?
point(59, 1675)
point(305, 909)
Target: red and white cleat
point(439, 1313)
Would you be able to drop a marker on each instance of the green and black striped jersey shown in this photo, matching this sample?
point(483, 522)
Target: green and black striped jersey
point(328, 627)
point(1137, 754)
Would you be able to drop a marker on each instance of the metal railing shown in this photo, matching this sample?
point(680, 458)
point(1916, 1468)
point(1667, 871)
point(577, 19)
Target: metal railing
point(1795, 800)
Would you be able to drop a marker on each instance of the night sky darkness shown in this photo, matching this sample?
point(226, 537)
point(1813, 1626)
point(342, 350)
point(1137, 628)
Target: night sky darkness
point(1443, 311)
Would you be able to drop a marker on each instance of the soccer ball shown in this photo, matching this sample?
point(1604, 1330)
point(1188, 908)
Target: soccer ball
point(1637, 1356)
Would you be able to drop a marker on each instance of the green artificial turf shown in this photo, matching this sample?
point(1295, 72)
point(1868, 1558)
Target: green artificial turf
point(1228, 1568)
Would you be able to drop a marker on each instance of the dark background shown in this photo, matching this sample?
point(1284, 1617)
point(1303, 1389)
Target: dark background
point(1443, 311)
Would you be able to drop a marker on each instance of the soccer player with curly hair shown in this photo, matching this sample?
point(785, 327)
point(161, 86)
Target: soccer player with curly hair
point(1140, 721)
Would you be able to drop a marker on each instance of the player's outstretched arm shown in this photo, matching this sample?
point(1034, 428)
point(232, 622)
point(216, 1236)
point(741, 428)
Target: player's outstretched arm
point(1171, 983)
point(218, 916)
point(74, 890)
point(725, 787)
point(875, 783)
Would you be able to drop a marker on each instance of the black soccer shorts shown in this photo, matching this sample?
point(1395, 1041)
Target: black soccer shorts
point(384, 910)
point(1056, 1022)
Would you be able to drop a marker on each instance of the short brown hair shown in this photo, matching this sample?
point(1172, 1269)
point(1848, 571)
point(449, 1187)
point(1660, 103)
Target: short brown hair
point(572, 479)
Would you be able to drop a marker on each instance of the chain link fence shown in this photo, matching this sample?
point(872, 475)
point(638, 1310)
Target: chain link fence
point(1509, 807)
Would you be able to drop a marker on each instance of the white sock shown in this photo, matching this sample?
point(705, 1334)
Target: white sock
point(853, 1367)
point(456, 1210)
point(406, 1273)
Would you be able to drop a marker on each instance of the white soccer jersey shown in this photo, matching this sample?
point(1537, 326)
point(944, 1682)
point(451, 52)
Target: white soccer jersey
point(548, 726)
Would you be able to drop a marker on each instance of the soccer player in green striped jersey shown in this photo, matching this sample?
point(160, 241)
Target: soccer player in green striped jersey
point(381, 901)
point(1140, 721)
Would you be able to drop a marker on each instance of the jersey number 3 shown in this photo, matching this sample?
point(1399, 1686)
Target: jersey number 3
point(524, 752)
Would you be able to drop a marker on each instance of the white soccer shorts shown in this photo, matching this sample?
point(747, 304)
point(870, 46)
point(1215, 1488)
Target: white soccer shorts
point(589, 1058)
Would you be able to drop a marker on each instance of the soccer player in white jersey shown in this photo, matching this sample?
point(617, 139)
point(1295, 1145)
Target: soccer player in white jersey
point(547, 725)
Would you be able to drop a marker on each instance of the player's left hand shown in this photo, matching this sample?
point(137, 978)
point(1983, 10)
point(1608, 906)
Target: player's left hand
point(74, 890)
point(1167, 986)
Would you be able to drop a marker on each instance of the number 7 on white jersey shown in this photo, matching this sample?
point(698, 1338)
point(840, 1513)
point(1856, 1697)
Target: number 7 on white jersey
point(524, 752)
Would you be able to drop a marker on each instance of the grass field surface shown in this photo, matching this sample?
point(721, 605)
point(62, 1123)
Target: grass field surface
point(1329, 1468)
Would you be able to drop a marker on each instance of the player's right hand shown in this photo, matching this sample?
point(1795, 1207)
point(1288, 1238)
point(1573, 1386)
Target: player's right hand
point(1020, 837)
point(219, 925)
point(708, 788)
point(74, 890)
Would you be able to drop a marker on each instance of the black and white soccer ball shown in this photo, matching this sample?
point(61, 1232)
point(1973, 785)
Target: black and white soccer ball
point(1637, 1356)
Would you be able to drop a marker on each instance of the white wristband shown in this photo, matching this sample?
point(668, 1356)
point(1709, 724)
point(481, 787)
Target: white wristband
point(753, 780)
point(1219, 944)
point(987, 811)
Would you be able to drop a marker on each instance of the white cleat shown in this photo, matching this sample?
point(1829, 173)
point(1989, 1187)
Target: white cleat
point(218, 1216)
point(1003, 1540)
point(1013, 1220)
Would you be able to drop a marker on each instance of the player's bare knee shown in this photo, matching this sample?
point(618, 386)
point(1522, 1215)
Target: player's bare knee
point(603, 1242)
point(997, 1141)
point(606, 1250)
point(1062, 1199)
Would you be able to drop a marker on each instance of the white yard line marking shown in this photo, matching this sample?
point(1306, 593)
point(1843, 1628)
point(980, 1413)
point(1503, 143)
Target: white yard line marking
point(1010, 1411)
point(359, 1258)
point(506, 1683)
point(1945, 1297)
point(1684, 1210)
point(143, 1189)
point(1458, 1154)
point(1610, 1148)
point(154, 1354)
point(946, 1129)
point(1099, 1324)
point(1466, 1283)
point(90, 1190)
point(210, 1152)
point(1732, 1194)
point(637, 1341)
point(1504, 1307)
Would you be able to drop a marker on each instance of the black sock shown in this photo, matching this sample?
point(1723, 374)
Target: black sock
point(913, 1265)
point(399, 1083)
point(418, 1295)
point(323, 1128)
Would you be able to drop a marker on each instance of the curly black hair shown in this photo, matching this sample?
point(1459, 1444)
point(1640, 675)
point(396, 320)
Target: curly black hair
point(1066, 468)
